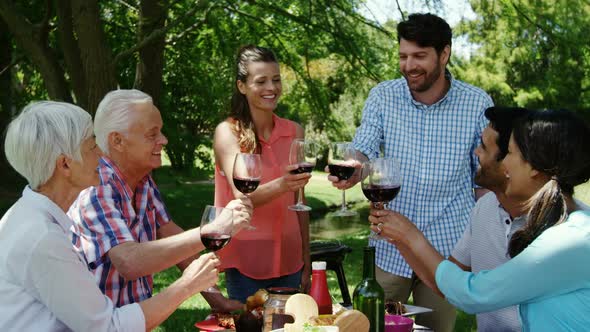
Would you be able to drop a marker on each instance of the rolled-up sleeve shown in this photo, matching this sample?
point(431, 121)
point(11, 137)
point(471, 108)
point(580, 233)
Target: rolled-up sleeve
point(369, 134)
point(66, 287)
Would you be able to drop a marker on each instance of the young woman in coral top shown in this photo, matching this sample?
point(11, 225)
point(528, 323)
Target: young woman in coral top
point(276, 253)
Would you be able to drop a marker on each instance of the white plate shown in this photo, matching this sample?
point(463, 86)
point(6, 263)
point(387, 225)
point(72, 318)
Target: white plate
point(414, 310)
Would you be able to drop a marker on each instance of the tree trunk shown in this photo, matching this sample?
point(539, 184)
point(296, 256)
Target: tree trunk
point(148, 74)
point(97, 60)
point(71, 52)
point(6, 103)
point(45, 60)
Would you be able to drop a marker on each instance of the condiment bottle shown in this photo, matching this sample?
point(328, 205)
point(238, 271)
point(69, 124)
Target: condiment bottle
point(319, 288)
point(368, 296)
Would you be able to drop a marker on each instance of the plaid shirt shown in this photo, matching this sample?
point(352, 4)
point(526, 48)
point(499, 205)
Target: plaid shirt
point(106, 216)
point(434, 146)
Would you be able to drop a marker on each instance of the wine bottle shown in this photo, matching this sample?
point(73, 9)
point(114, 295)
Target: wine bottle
point(368, 296)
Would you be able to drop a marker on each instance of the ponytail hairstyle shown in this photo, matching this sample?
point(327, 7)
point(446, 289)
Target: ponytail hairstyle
point(243, 126)
point(554, 142)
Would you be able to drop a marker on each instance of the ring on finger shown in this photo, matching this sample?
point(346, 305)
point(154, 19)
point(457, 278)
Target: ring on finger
point(379, 229)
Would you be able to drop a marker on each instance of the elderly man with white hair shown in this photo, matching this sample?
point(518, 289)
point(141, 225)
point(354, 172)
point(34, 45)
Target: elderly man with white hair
point(122, 226)
point(44, 284)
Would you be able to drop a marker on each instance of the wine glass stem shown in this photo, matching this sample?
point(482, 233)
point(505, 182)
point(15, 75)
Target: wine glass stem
point(300, 197)
point(343, 207)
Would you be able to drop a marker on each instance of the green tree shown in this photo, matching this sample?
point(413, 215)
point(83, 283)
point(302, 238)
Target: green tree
point(532, 53)
point(181, 53)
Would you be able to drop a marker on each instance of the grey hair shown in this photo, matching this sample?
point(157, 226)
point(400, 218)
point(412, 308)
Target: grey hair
point(112, 114)
point(42, 132)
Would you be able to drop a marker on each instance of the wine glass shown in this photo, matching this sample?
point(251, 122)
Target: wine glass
point(303, 153)
point(381, 182)
point(341, 161)
point(247, 173)
point(216, 229)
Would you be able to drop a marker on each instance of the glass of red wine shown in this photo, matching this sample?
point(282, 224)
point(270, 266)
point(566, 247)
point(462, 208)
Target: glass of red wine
point(304, 154)
point(246, 174)
point(381, 182)
point(341, 161)
point(216, 229)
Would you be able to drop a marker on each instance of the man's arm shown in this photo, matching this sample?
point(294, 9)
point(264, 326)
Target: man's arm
point(173, 246)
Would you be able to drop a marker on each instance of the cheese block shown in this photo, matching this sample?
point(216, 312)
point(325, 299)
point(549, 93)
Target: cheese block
point(352, 321)
point(302, 307)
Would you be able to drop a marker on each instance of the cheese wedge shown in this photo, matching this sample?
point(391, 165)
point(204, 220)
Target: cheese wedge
point(302, 307)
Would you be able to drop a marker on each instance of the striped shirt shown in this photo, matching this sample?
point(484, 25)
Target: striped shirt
point(434, 145)
point(110, 214)
point(484, 246)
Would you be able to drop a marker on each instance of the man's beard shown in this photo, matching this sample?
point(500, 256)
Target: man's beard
point(428, 81)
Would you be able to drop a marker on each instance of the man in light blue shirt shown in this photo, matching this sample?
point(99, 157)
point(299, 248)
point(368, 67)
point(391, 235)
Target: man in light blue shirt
point(495, 217)
point(431, 124)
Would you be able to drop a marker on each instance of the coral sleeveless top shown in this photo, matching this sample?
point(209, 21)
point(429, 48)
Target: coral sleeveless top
point(273, 249)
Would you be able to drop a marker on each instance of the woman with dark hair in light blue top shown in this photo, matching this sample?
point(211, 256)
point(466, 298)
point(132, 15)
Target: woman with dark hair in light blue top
point(548, 276)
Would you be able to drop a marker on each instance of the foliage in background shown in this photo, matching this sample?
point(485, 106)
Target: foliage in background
point(532, 53)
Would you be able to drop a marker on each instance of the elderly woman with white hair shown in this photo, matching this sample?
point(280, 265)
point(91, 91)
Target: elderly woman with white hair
point(44, 284)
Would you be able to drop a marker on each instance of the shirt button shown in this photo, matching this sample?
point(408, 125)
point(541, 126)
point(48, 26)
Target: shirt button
point(507, 221)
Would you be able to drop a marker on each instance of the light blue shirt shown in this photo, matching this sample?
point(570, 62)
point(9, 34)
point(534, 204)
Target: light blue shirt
point(550, 280)
point(434, 146)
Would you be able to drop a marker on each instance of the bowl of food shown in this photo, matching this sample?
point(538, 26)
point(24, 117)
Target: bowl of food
point(397, 323)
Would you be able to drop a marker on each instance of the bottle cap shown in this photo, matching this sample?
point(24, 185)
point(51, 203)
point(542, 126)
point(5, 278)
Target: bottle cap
point(318, 265)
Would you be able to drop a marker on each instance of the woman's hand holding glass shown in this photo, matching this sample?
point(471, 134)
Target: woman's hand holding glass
point(303, 153)
point(381, 182)
point(393, 226)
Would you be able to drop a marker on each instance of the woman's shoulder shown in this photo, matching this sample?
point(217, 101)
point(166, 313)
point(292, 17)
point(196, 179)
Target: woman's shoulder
point(224, 129)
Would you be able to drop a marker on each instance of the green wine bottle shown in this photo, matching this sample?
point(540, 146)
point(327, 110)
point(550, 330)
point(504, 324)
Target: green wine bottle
point(368, 296)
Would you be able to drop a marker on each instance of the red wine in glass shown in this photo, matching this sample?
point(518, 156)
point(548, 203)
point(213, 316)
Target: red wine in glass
point(341, 160)
point(246, 186)
point(247, 172)
point(303, 168)
point(215, 241)
point(342, 172)
point(217, 224)
point(303, 153)
point(381, 193)
point(381, 182)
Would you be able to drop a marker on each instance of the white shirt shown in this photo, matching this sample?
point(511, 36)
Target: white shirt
point(484, 246)
point(44, 284)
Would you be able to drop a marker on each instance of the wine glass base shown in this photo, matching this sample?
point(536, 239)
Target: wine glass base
point(345, 213)
point(299, 207)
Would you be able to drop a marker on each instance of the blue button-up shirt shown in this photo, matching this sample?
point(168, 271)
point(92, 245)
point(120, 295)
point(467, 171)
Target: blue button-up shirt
point(434, 145)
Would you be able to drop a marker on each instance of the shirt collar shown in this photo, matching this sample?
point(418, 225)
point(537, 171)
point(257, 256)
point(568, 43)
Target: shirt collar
point(279, 130)
point(448, 76)
point(110, 168)
point(43, 203)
